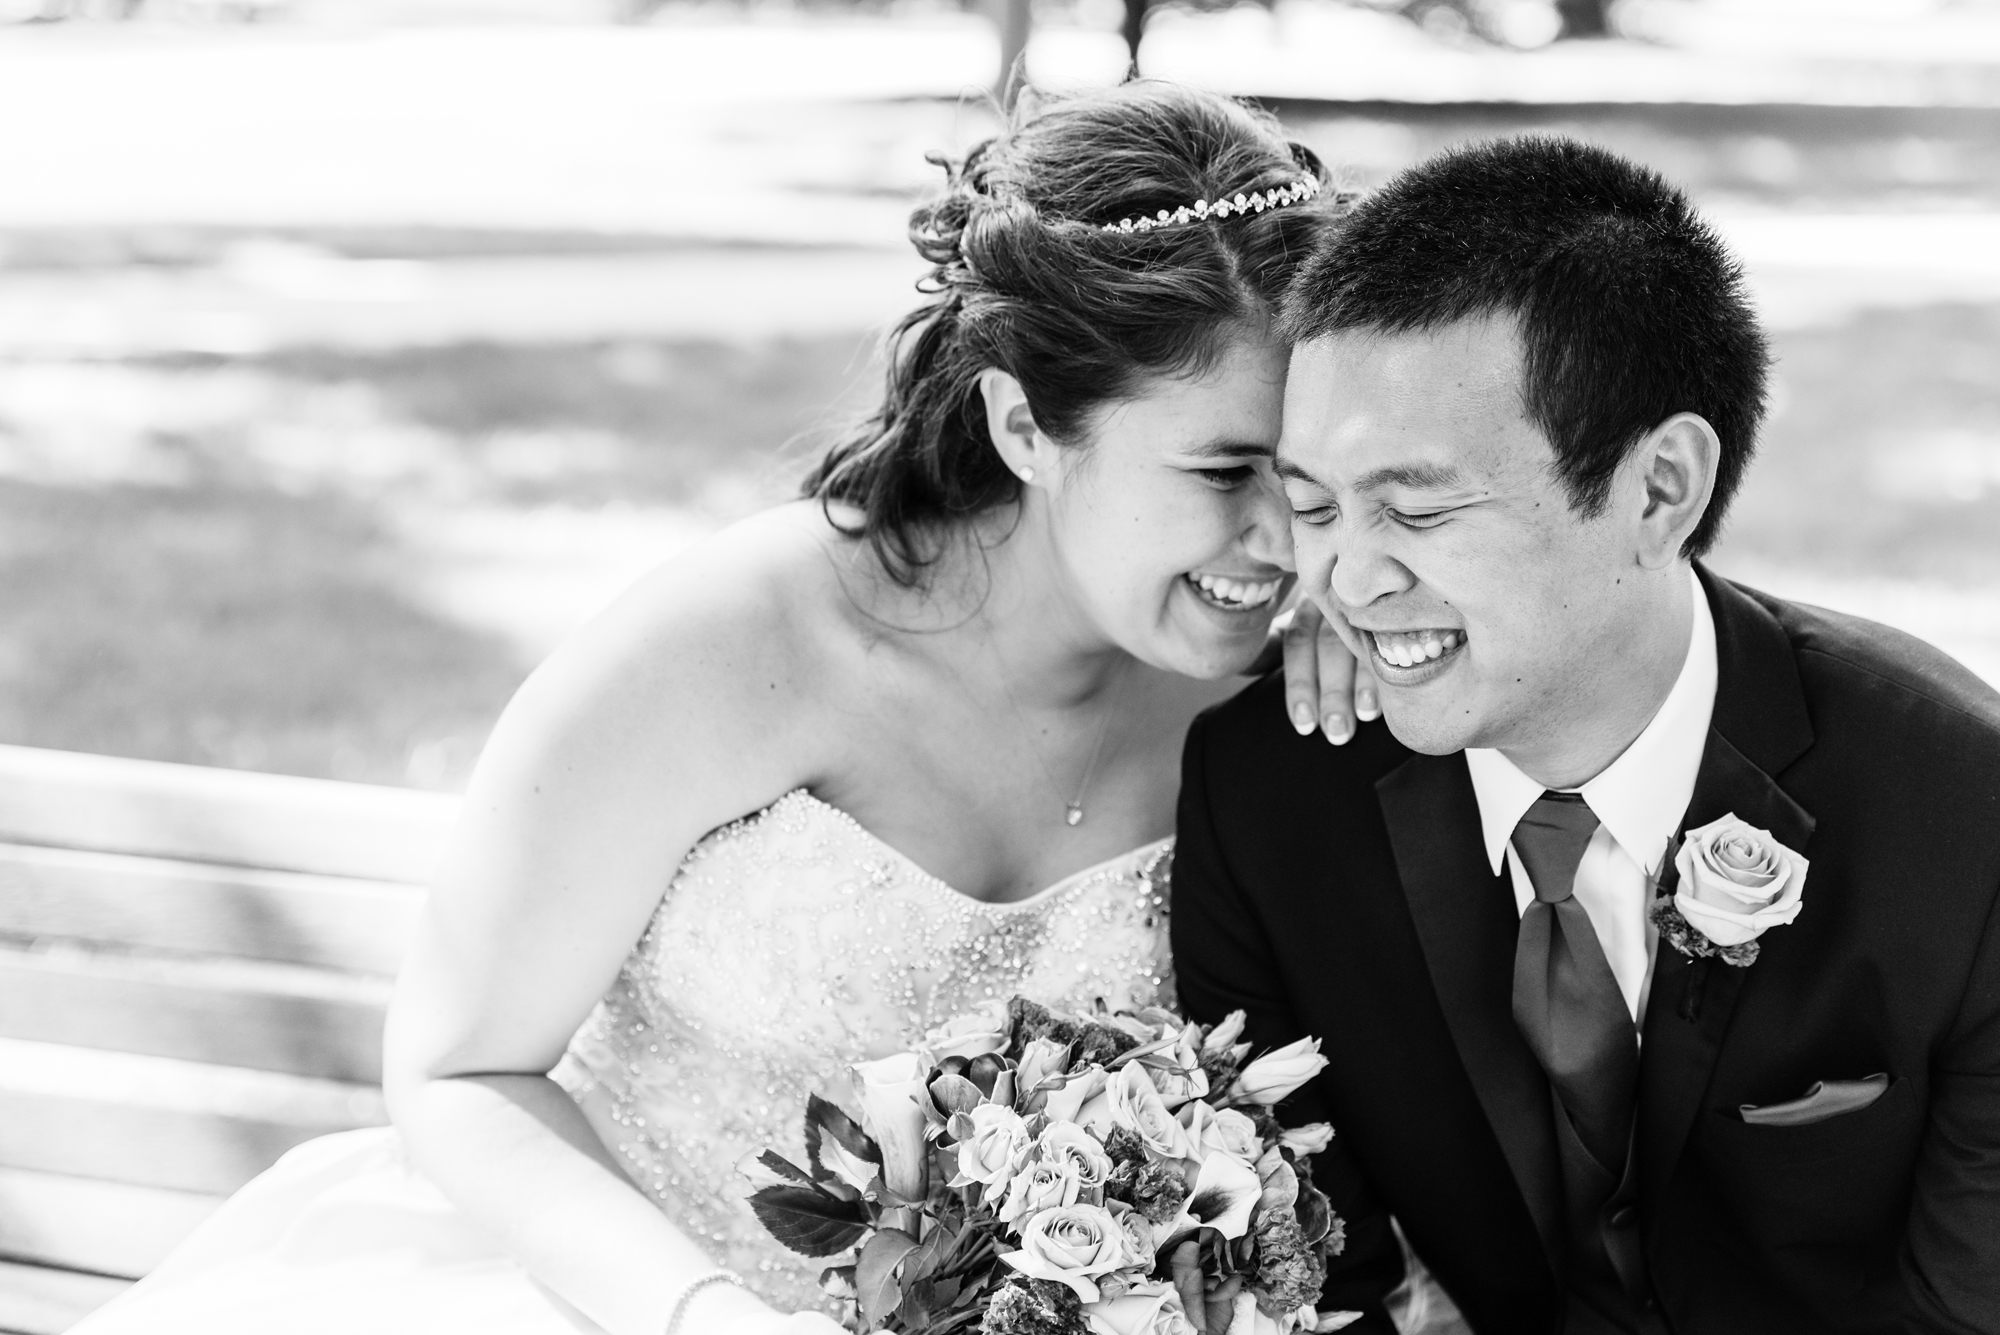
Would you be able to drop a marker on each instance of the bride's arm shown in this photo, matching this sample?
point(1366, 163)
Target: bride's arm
point(661, 721)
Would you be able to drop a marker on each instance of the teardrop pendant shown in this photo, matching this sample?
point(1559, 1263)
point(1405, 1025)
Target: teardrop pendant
point(1074, 815)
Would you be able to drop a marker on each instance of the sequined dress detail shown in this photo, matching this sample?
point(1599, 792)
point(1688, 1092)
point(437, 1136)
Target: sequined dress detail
point(795, 943)
point(788, 946)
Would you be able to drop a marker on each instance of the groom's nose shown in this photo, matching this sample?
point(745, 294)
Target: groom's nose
point(1363, 573)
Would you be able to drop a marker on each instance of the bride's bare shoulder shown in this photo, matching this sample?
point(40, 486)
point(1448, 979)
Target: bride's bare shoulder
point(720, 651)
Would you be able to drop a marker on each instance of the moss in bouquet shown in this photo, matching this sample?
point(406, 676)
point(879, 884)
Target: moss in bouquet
point(1290, 1270)
point(1035, 1307)
point(1155, 1190)
point(1097, 1043)
point(1123, 1146)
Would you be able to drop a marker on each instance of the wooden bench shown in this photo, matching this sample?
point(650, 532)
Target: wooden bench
point(194, 966)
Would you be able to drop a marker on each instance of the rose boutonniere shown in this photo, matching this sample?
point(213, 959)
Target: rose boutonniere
point(1734, 882)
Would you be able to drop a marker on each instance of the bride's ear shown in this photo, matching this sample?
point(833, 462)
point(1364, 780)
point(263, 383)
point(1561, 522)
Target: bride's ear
point(1011, 427)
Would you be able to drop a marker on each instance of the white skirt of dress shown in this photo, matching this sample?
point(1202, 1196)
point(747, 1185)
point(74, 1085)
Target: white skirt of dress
point(338, 1237)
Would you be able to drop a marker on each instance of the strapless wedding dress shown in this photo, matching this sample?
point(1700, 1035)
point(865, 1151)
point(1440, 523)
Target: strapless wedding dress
point(789, 945)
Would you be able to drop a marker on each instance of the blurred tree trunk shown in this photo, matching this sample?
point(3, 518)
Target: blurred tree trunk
point(1015, 18)
point(1585, 18)
point(1132, 29)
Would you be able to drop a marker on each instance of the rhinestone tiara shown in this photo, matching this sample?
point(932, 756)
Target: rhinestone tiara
point(1276, 197)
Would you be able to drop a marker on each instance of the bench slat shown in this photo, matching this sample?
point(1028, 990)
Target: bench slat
point(154, 1147)
point(269, 1017)
point(35, 1300)
point(332, 922)
point(112, 1228)
point(63, 799)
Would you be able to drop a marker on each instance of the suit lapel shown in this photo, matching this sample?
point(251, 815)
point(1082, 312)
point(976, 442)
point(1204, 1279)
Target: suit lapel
point(1759, 727)
point(1467, 921)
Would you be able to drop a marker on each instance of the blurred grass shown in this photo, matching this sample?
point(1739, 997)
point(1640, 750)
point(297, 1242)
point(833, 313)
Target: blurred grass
point(271, 619)
point(1882, 458)
point(339, 562)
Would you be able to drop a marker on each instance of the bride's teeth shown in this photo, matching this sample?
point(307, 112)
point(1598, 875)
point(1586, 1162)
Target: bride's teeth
point(1239, 595)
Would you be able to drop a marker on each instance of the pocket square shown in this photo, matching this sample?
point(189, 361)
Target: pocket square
point(1827, 1098)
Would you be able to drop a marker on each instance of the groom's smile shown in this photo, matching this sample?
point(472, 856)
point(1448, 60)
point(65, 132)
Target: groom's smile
point(1430, 525)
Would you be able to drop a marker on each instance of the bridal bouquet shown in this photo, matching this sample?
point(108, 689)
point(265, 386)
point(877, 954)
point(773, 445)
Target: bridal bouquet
point(1031, 1173)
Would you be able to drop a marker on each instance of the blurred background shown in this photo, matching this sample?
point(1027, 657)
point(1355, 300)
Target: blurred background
point(353, 351)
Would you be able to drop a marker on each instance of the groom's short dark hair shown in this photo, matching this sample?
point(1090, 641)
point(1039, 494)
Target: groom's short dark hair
point(1629, 308)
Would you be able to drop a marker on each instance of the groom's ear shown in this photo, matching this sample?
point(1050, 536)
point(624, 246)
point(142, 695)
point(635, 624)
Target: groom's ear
point(1674, 467)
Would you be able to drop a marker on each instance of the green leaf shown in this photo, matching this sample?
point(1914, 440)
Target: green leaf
point(875, 1272)
point(826, 1119)
point(784, 1168)
point(807, 1220)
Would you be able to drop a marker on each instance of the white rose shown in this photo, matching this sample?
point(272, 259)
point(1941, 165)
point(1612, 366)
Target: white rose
point(1142, 1240)
point(1048, 1185)
point(977, 1034)
point(993, 1150)
point(1066, 1104)
point(889, 1090)
point(1133, 1103)
point(1737, 881)
point(1221, 1129)
point(1068, 1142)
point(1041, 1059)
point(1152, 1308)
point(1073, 1245)
point(1277, 1073)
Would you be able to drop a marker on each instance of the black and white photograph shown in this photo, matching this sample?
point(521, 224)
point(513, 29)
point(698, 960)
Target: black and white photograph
point(999, 667)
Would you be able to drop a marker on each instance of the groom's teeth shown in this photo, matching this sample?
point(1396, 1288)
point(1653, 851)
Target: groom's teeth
point(1410, 648)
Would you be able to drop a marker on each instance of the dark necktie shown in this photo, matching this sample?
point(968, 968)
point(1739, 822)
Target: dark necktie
point(1566, 1001)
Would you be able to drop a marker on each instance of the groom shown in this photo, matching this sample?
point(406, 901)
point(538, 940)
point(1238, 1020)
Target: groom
point(1654, 940)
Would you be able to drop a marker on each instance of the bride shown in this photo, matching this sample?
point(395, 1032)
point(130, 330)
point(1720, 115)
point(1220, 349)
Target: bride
point(905, 745)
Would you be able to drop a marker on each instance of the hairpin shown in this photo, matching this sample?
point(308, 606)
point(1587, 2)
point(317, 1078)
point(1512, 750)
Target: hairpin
point(1276, 197)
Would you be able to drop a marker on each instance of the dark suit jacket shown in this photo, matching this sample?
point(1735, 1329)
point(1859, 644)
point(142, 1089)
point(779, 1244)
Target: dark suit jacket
point(1344, 892)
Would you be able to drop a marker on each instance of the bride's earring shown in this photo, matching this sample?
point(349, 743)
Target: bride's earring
point(1027, 473)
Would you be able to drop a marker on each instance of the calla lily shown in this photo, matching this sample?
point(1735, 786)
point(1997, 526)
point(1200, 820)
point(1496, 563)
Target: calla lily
point(1225, 1194)
point(892, 1092)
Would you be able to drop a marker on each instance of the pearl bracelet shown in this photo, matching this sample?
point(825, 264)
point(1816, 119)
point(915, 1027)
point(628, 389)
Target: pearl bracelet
point(694, 1286)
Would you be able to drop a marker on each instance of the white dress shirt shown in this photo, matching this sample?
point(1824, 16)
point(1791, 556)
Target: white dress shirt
point(1639, 799)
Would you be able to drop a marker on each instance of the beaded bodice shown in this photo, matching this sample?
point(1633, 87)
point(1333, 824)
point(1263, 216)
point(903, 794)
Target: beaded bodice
point(794, 943)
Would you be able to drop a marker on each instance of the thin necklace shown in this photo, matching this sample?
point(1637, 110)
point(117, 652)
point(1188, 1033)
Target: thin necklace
point(1072, 806)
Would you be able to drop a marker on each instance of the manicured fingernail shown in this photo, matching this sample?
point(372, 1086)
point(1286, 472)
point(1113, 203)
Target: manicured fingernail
point(1364, 704)
point(1302, 718)
point(1337, 728)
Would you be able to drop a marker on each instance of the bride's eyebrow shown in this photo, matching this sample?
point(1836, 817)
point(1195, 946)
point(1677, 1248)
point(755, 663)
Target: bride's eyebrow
point(1231, 449)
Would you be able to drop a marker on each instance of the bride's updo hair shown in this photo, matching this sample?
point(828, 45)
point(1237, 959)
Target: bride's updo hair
point(1027, 280)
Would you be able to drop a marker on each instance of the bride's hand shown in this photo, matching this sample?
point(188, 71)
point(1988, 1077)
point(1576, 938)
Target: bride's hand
point(1325, 686)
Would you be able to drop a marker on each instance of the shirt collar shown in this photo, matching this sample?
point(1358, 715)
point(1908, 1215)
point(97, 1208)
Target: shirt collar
point(1641, 796)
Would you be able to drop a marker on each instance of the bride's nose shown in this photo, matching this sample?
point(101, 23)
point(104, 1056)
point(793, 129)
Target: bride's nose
point(1268, 535)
